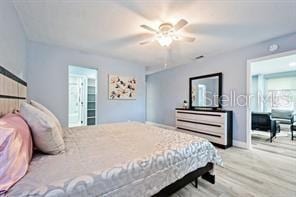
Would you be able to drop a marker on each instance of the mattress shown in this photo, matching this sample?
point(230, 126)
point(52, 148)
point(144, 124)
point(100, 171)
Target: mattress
point(121, 159)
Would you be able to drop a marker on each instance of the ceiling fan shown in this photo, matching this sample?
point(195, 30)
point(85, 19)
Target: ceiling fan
point(167, 33)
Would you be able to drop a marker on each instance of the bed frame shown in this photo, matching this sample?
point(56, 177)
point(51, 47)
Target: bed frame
point(13, 91)
point(203, 172)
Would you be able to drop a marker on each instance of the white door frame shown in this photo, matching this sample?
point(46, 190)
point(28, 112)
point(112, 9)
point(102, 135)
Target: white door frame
point(249, 80)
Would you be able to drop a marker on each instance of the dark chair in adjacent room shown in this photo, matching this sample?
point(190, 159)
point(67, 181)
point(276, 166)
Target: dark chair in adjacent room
point(263, 122)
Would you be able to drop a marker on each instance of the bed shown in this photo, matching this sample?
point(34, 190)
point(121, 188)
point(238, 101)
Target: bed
point(119, 159)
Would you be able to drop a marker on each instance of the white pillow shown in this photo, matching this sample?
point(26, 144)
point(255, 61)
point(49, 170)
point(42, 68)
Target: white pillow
point(49, 113)
point(46, 135)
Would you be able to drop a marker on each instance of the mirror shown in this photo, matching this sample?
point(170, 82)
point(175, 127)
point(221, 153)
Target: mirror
point(205, 91)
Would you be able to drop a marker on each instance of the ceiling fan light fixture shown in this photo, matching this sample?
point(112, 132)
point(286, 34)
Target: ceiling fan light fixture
point(167, 33)
point(164, 40)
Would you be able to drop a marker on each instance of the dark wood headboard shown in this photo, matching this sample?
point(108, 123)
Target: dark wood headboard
point(13, 91)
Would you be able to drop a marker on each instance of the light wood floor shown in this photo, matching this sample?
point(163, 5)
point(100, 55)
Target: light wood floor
point(282, 145)
point(266, 170)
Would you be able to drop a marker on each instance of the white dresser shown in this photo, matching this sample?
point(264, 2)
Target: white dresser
point(216, 126)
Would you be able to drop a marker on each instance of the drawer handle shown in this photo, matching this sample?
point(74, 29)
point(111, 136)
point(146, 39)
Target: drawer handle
point(202, 123)
point(217, 115)
point(218, 136)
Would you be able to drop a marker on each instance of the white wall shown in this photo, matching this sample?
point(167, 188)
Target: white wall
point(167, 89)
point(47, 73)
point(12, 40)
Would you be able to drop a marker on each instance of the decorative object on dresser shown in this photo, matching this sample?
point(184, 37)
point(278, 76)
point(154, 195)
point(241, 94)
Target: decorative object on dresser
point(185, 104)
point(214, 125)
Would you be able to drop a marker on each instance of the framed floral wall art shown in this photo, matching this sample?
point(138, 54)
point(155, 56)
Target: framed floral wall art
point(122, 87)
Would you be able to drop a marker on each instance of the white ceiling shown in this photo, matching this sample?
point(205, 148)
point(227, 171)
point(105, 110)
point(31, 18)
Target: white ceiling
point(112, 28)
point(274, 65)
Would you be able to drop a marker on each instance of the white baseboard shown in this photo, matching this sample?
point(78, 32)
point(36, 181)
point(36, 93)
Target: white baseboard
point(235, 143)
point(240, 144)
point(161, 125)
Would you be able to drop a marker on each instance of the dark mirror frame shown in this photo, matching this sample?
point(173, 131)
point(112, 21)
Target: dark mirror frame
point(219, 75)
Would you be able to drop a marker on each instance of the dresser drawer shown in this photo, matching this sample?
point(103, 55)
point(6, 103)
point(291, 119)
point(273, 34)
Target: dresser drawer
point(212, 128)
point(205, 117)
point(215, 139)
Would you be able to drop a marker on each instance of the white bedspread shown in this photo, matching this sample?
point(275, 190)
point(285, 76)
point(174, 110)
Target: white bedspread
point(123, 159)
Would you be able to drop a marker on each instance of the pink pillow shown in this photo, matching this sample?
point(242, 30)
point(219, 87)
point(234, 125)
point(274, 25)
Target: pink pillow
point(16, 149)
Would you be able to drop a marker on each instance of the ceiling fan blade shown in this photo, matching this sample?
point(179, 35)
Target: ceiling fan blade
point(146, 42)
point(149, 28)
point(187, 39)
point(181, 23)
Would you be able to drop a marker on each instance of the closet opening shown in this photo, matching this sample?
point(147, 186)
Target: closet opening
point(82, 96)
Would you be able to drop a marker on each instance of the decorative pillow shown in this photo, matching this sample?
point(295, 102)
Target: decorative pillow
point(49, 113)
point(46, 135)
point(15, 150)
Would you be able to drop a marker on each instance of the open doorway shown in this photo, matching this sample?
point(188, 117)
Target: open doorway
point(82, 96)
point(272, 110)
